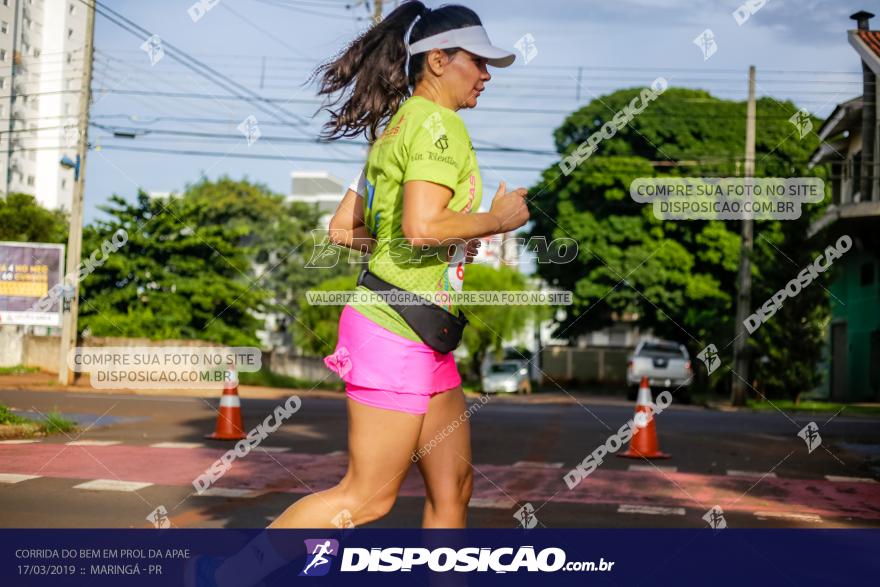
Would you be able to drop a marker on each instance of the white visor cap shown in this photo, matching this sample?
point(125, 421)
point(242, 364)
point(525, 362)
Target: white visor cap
point(471, 38)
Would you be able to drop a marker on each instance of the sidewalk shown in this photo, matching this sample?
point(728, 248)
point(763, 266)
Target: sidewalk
point(48, 382)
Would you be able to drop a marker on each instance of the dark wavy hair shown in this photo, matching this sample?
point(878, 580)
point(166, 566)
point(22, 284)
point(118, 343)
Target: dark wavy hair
point(370, 74)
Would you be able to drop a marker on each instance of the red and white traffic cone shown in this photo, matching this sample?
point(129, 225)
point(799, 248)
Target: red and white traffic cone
point(644, 441)
point(229, 425)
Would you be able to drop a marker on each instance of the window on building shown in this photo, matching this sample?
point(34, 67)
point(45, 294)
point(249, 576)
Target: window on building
point(36, 52)
point(2, 54)
point(4, 27)
point(69, 33)
point(63, 184)
point(30, 180)
point(2, 82)
point(71, 9)
point(866, 274)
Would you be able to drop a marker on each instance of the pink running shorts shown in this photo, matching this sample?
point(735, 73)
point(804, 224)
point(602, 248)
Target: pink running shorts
point(385, 370)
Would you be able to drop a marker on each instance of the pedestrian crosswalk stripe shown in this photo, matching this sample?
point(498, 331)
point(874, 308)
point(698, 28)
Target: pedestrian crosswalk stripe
point(112, 485)
point(652, 469)
point(177, 445)
point(227, 492)
point(93, 442)
point(16, 478)
point(789, 516)
point(497, 503)
point(737, 473)
point(840, 479)
point(537, 464)
point(649, 509)
point(19, 441)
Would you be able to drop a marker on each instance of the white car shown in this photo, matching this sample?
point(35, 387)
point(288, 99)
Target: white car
point(666, 364)
point(507, 377)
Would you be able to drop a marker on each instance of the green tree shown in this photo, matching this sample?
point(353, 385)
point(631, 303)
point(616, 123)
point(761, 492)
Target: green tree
point(318, 325)
point(679, 277)
point(489, 325)
point(175, 278)
point(236, 231)
point(23, 219)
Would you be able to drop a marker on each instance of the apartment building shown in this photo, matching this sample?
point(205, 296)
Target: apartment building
point(42, 45)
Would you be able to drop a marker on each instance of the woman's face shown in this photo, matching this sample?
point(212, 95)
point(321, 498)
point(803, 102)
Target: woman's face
point(467, 77)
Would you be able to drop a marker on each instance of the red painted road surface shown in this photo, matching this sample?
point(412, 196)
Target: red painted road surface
point(494, 485)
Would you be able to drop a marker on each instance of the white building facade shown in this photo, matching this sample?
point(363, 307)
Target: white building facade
point(42, 45)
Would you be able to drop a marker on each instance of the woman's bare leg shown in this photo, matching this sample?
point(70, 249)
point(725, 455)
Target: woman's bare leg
point(380, 446)
point(446, 464)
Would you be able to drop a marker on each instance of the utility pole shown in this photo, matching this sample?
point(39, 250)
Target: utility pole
point(377, 11)
point(74, 239)
point(744, 291)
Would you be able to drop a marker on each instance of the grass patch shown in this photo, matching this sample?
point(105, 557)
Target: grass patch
point(55, 423)
point(15, 426)
point(813, 406)
point(17, 370)
point(266, 378)
point(7, 417)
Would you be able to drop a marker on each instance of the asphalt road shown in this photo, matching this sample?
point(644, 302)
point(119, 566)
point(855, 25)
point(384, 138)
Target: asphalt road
point(753, 466)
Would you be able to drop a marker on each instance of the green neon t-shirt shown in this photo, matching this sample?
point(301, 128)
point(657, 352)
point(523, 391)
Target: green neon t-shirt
point(428, 142)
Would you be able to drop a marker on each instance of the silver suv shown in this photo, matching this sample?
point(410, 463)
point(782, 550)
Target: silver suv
point(666, 364)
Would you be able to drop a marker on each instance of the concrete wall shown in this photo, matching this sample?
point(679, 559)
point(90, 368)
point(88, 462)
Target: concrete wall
point(17, 348)
point(10, 346)
point(308, 368)
point(585, 365)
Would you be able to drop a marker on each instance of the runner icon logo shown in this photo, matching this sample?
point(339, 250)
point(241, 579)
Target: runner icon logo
point(321, 552)
point(810, 434)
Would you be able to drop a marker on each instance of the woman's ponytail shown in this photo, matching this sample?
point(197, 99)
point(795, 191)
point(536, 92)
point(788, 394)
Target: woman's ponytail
point(373, 68)
point(375, 63)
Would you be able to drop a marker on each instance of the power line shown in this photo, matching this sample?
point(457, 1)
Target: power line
point(188, 61)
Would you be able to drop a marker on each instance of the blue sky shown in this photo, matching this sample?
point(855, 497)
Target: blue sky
point(799, 49)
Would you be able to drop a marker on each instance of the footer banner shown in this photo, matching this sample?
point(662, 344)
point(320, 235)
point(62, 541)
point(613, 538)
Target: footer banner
point(266, 558)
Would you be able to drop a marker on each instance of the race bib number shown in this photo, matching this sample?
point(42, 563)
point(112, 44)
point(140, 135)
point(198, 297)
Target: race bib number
point(455, 271)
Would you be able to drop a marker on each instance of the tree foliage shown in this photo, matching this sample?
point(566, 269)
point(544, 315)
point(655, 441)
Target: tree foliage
point(679, 277)
point(201, 265)
point(23, 219)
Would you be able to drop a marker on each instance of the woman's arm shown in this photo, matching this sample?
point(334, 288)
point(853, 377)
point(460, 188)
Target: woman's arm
point(347, 225)
point(428, 222)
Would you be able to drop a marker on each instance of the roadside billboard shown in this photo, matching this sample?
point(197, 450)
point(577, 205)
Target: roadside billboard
point(28, 273)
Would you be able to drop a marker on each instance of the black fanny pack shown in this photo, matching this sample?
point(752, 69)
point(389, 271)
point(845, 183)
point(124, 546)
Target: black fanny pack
point(437, 328)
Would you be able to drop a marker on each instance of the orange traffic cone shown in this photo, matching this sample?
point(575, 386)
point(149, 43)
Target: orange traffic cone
point(229, 418)
point(644, 441)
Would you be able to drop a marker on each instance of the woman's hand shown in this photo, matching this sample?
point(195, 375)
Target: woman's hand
point(510, 208)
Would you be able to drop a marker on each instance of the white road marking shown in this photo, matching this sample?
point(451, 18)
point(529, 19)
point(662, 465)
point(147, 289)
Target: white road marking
point(227, 492)
point(111, 485)
point(649, 509)
point(537, 464)
point(274, 448)
point(652, 469)
point(93, 442)
point(789, 516)
point(841, 479)
point(18, 441)
point(337, 453)
point(737, 473)
point(15, 478)
point(497, 503)
point(177, 445)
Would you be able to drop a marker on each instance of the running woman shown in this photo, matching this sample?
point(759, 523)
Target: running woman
point(420, 187)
